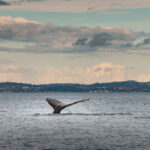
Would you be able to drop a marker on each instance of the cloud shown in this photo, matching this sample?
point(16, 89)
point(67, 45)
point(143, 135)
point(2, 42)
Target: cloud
point(75, 5)
point(5, 61)
point(100, 40)
point(111, 36)
point(143, 77)
point(81, 41)
point(14, 73)
point(3, 3)
point(143, 42)
point(102, 72)
point(146, 41)
point(33, 36)
point(106, 71)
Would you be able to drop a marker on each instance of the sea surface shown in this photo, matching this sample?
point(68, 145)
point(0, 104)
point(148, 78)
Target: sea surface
point(109, 121)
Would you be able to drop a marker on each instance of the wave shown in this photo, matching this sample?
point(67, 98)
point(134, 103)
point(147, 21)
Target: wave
point(83, 114)
point(142, 117)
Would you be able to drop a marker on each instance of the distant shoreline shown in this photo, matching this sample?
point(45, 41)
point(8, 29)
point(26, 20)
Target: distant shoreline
point(123, 86)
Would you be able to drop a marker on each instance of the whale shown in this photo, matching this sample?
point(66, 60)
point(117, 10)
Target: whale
point(58, 106)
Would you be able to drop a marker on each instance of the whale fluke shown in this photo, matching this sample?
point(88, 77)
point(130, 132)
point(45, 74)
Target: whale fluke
point(58, 106)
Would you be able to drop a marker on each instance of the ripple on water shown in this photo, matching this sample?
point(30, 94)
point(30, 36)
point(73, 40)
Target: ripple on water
point(83, 114)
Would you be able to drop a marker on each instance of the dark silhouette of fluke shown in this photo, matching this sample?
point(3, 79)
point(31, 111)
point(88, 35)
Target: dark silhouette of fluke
point(58, 106)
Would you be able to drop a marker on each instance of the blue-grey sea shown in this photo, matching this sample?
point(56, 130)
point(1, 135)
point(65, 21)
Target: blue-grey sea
point(109, 121)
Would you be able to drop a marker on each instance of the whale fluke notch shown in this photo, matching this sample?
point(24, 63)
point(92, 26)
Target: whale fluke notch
point(58, 106)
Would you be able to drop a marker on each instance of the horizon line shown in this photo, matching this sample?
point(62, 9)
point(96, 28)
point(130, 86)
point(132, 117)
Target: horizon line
point(75, 83)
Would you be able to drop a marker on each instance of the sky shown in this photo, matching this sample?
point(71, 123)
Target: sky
point(74, 41)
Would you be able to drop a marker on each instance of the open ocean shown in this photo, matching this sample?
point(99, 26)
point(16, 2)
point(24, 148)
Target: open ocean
point(109, 121)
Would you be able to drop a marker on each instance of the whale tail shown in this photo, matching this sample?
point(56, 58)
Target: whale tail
point(58, 106)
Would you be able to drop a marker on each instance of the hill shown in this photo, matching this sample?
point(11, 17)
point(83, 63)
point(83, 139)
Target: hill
point(124, 86)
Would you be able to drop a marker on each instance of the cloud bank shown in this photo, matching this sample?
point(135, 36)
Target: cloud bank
point(103, 72)
point(75, 5)
point(32, 36)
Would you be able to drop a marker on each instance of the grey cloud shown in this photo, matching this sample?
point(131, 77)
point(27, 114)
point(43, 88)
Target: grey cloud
point(127, 45)
point(108, 69)
point(146, 41)
point(91, 8)
point(4, 3)
point(98, 69)
point(104, 69)
point(143, 43)
point(139, 44)
point(106, 38)
point(77, 5)
point(100, 40)
point(20, 1)
point(81, 41)
point(49, 38)
point(23, 30)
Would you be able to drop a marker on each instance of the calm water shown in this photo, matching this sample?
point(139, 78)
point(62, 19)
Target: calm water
point(109, 121)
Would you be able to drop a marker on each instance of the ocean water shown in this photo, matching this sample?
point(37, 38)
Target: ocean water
point(109, 121)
